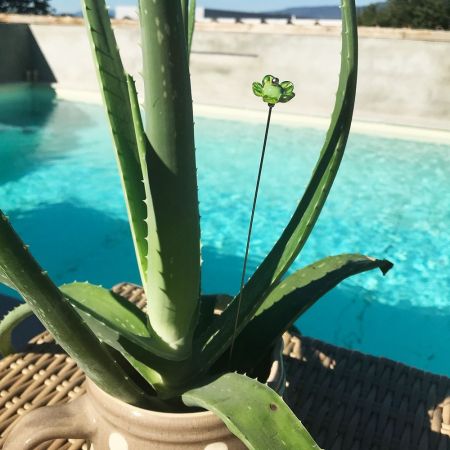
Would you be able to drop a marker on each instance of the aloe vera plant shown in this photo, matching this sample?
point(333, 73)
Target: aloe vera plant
point(178, 346)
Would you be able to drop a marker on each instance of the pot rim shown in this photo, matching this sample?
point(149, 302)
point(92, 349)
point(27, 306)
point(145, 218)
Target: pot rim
point(100, 394)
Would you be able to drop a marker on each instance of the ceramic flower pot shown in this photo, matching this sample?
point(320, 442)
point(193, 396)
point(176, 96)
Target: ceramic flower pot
point(109, 423)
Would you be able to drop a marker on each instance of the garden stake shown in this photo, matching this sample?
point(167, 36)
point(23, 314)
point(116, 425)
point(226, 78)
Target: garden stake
point(252, 216)
point(271, 92)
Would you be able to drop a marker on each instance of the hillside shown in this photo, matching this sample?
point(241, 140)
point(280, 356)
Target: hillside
point(322, 12)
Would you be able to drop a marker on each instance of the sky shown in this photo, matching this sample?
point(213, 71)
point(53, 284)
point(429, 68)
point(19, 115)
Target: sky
point(242, 5)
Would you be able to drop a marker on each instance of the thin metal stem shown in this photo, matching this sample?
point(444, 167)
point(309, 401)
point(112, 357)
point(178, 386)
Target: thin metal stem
point(250, 227)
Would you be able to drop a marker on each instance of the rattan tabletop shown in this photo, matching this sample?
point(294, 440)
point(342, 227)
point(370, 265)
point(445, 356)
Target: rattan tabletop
point(347, 400)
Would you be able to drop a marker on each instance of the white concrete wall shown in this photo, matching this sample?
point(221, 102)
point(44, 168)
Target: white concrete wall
point(126, 12)
point(400, 80)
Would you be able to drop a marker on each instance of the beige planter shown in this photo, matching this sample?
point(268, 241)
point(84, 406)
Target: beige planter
point(109, 423)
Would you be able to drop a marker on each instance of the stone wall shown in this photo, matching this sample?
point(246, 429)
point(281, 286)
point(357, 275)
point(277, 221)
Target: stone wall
point(404, 76)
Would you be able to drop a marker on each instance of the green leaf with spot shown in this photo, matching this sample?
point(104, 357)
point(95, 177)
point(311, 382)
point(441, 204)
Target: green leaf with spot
point(253, 412)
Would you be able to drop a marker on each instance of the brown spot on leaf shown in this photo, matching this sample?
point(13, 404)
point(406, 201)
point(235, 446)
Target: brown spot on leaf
point(273, 407)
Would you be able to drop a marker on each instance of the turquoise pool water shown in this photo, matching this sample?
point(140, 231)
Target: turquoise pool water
point(59, 185)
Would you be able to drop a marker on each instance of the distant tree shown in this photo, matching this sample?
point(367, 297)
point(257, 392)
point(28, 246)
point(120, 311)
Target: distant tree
point(433, 14)
point(369, 16)
point(25, 7)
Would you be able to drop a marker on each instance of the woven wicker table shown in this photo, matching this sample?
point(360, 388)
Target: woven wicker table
point(348, 400)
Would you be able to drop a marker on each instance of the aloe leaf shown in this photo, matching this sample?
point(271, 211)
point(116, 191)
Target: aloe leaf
point(188, 12)
point(10, 321)
point(108, 318)
point(253, 412)
point(57, 315)
point(115, 320)
point(291, 298)
point(144, 149)
point(134, 348)
point(185, 13)
point(191, 24)
point(173, 222)
point(142, 142)
point(123, 326)
point(218, 337)
point(113, 83)
point(5, 280)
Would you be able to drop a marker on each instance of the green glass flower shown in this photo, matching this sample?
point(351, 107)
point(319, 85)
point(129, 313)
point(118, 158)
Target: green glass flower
point(272, 91)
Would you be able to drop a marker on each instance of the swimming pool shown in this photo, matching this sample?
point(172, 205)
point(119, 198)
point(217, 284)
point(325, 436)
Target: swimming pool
point(59, 185)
